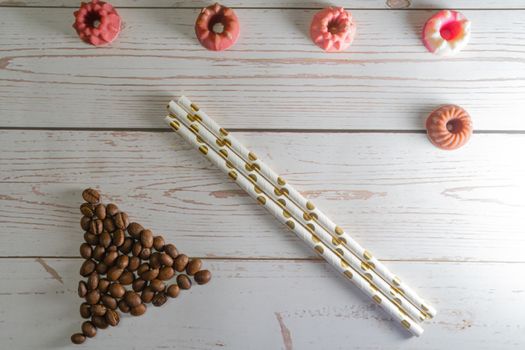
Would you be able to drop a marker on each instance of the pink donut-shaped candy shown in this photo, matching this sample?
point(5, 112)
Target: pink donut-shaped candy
point(217, 27)
point(97, 22)
point(449, 127)
point(332, 29)
point(446, 33)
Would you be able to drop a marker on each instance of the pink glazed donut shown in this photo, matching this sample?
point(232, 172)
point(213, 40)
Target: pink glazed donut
point(208, 31)
point(446, 33)
point(332, 29)
point(97, 22)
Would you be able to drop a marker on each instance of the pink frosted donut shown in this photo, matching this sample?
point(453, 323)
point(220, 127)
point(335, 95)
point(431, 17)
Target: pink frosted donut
point(332, 29)
point(97, 22)
point(449, 127)
point(446, 33)
point(217, 27)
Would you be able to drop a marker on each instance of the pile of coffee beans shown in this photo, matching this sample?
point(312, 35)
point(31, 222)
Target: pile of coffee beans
point(126, 267)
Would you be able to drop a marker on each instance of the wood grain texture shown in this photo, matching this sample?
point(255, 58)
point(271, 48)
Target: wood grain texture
point(397, 194)
point(244, 307)
point(273, 78)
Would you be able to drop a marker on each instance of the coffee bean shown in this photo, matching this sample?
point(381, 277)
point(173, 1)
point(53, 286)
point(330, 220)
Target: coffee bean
point(85, 250)
point(134, 263)
point(147, 294)
point(193, 266)
point(98, 310)
point(117, 290)
point(85, 222)
point(91, 238)
point(134, 229)
point(99, 322)
point(173, 291)
point(105, 239)
point(171, 250)
point(159, 299)
point(100, 211)
point(125, 248)
point(146, 238)
point(202, 277)
point(109, 224)
point(110, 258)
point(88, 329)
point(158, 243)
point(114, 273)
point(132, 299)
point(103, 285)
point(166, 260)
point(123, 306)
point(183, 282)
point(78, 338)
point(91, 195)
point(112, 318)
point(85, 310)
point(121, 220)
point(98, 252)
point(109, 302)
point(136, 249)
point(145, 253)
point(87, 209)
point(82, 289)
point(96, 226)
point(138, 284)
point(138, 310)
point(93, 279)
point(112, 248)
point(119, 236)
point(180, 262)
point(157, 285)
point(154, 260)
point(111, 209)
point(122, 261)
point(102, 268)
point(166, 273)
point(143, 268)
point(92, 297)
point(149, 275)
point(126, 278)
point(87, 267)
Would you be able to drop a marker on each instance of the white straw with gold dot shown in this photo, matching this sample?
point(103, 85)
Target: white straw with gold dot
point(311, 240)
point(318, 216)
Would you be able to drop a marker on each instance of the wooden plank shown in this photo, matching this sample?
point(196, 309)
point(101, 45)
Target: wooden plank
point(351, 4)
point(273, 78)
point(255, 304)
point(400, 197)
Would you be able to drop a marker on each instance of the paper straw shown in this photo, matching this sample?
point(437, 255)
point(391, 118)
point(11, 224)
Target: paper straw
point(290, 209)
point(310, 239)
point(289, 192)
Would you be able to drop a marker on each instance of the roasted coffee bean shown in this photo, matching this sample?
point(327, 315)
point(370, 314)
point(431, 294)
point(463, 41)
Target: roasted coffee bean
point(173, 291)
point(85, 250)
point(112, 248)
point(78, 338)
point(132, 299)
point(91, 238)
point(112, 318)
point(109, 224)
point(93, 279)
point(85, 310)
point(126, 278)
point(98, 252)
point(202, 277)
point(121, 220)
point(99, 322)
point(166, 273)
point(171, 250)
point(149, 275)
point(96, 226)
point(138, 310)
point(122, 261)
point(123, 306)
point(143, 268)
point(109, 302)
point(180, 262)
point(125, 248)
point(87, 267)
point(136, 249)
point(87, 209)
point(134, 263)
point(88, 329)
point(110, 258)
point(100, 211)
point(114, 273)
point(117, 290)
point(105, 239)
point(146, 238)
point(166, 260)
point(157, 285)
point(103, 285)
point(119, 236)
point(85, 222)
point(154, 260)
point(138, 284)
point(93, 297)
point(102, 268)
point(91, 195)
point(134, 230)
point(183, 282)
point(145, 253)
point(98, 310)
point(82, 289)
point(193, 266)
point(147, 294)
point(111, 209)
point(159, 299)
point(158, 243)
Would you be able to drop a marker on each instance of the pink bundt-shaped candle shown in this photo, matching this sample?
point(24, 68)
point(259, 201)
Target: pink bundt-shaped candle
point(332, 29)
point(446, 33)
point(449, 127)
point(97, 22)
point(217, 27)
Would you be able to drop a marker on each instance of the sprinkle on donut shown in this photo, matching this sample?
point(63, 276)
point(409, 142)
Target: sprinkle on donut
point(446, 33)
point(217, 27)
point(97, 22)
point(449, 127)
point(332, 29)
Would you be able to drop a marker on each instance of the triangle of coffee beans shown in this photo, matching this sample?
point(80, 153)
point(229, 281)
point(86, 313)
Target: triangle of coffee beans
point(126, 267)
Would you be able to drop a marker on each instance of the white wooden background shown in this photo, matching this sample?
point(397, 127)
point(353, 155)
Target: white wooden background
point(346, 129)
